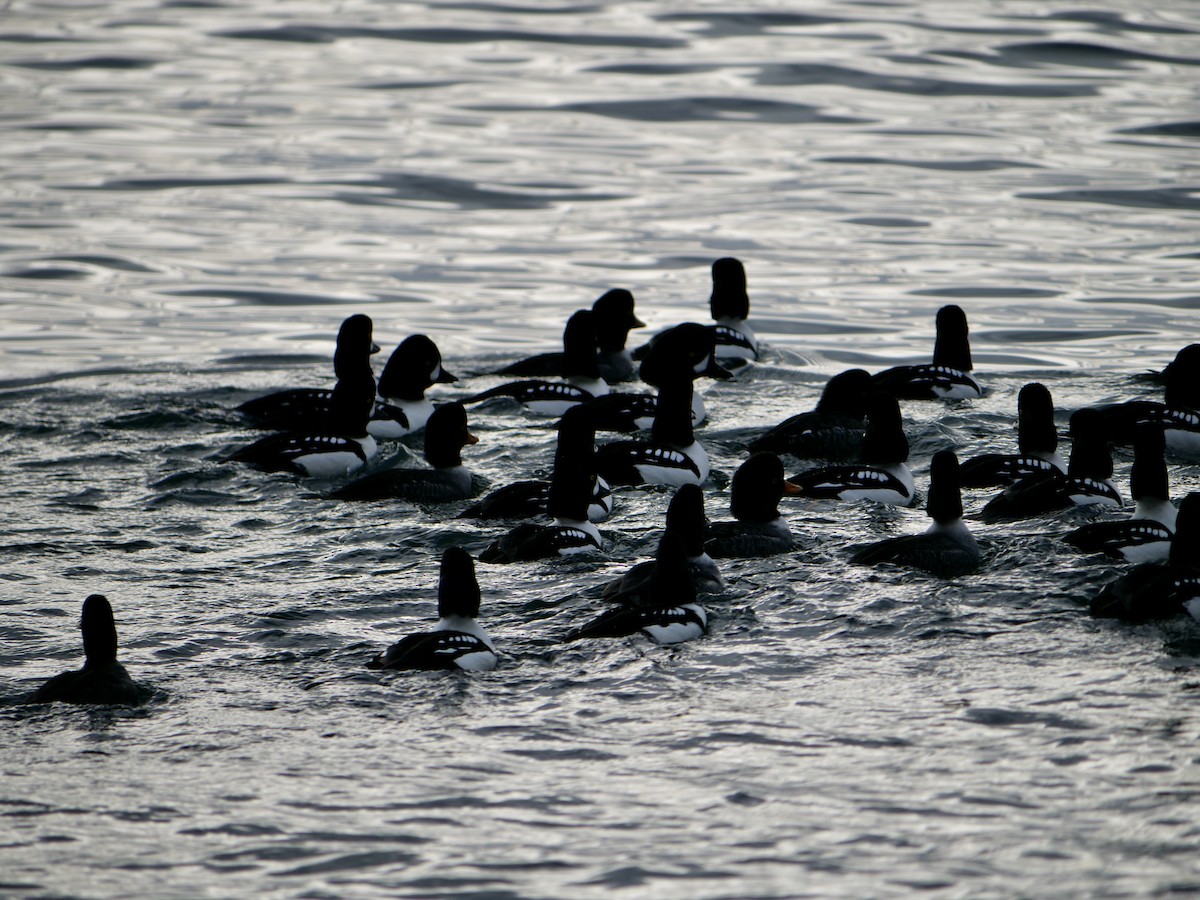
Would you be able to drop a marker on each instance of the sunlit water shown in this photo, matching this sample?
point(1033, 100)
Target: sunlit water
point(196, 194)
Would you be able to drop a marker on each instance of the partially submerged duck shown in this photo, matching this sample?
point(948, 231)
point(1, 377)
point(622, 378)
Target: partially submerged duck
point(102, 680)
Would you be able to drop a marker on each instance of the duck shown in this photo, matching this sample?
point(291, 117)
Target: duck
point(685, 517)
point(729, 305)
point(300, 408)
point(1146, 535)
point(754, 494)
point(948, 377)
point(580, 369)
point(1037, 445)
point(1088, 481)
point(665, 610)
point(1178, 415)
point(883, 476)
point(102, 680)
point(457, 641)
point(1155, 591)
point(672, 456)
point(613, 317)
point(947, 548)
point(414, 366)
point(527, 499)
point(570, 532)
point(446, 480)
point(683, 348)
point(339, 443)
point(833, 431)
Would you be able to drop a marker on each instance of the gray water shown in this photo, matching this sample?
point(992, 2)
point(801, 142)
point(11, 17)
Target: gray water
point(195, 194)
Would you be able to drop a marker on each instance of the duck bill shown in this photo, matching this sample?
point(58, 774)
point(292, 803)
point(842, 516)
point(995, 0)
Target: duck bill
point(635, 322)
point(444, 377)
point(791, 488)
point(471, 439)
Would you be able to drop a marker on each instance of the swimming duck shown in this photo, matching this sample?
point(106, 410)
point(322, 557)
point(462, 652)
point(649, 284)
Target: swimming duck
point(457, 641)
point(1155, 591)
point(571, 490)
point(883, 475)
point(302, 409)
point(833, 431)
point(665, 611)
point(338, 444)
point(526, 499)
point(1088, 480)
point(672, 456)
point(414, 366)
point(102, 680)
point(447, 479)
point(1037, 445)
point(612, 318)
point(684, 349)
point(729, 304)
point(949, 375)
point(754, 495)
point(580, 369)
point(1178, 416)
point(1146, 535)
point(947, 548)
point(685, 518)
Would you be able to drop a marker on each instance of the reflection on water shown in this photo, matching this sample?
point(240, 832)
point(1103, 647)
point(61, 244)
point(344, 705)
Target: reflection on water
point(197, 194)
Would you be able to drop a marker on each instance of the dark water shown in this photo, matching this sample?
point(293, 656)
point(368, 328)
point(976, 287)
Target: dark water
point(196, 194)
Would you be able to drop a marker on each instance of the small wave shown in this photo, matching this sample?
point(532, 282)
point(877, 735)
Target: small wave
point(1150, 198)
point(708, 109)
point(1080, 53)
point(87, 62)
point(945, 165)
point(801, 74)
point(327, 34)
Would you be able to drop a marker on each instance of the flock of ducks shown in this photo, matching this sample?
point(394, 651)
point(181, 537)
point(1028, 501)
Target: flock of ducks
point(855, 435)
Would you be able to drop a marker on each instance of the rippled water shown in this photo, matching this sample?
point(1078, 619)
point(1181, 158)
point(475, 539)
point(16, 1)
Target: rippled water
point(195, 195)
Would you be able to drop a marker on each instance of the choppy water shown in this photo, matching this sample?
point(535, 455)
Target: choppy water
point(195, 195)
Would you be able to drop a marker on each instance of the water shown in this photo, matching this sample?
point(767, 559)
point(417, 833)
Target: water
point(196, 194)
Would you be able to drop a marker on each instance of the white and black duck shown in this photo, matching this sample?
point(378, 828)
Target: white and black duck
point(303, 409)
point(338, 443)
point(457, 641)
point(948, 377)
point(1087, 482)
point(102, 680)
point(729, 305)
point(665, 610)
point(571, 491)
point(1146, 535)
point(833, 431)
point(446, 479)
point(576, 447)
point(581, 375)
point(947, 548)
point(684, 349)
point(672, 456)
point(414, 366)
point(685, 518)
point(1156, 591)
point(883, 475)
point(1037, 445)
point(1178, 415)
point(613, 317)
